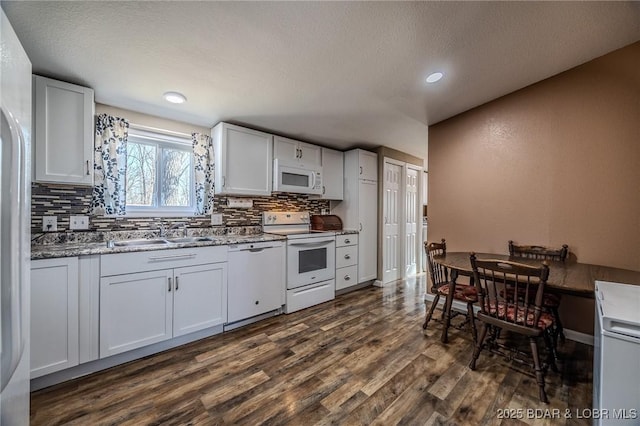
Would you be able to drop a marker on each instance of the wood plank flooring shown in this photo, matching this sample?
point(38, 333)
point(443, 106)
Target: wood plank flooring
point(361, 359)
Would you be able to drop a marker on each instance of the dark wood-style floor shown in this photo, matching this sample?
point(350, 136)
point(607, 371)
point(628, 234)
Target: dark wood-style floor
point(361, 359)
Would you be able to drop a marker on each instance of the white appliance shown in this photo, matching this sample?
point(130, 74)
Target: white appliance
point(307, 180)
point(15, 131)
point(311, 259)
point(616, 354)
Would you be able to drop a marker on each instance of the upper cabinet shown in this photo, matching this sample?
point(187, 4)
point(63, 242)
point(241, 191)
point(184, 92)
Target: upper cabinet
point(63, 132)
point(367, 165)
point(296, 153)
point(332, 174)
point(243, 159)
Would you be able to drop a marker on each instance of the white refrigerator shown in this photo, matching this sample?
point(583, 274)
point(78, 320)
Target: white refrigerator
point(15, 183)
point(616, 355)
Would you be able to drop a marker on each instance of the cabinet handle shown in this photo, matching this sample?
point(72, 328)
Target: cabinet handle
point(224, 182)
point(360, 169)
point(346, 256)
point(360, 227)
point(177, 284)
point(169, 289)
point(323, 189)
point(347, 277)
point(347, 241)
point(257, 302)
point(300, 152)
point(87, 167)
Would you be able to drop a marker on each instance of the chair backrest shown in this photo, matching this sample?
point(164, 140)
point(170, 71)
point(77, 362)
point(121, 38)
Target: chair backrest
point(539, 252)
point(439, 274)
point(491, 276)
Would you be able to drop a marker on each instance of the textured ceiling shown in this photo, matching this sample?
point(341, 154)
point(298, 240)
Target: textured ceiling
point(338, 73)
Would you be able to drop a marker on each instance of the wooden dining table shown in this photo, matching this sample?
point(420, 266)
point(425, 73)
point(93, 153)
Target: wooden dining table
point(568, 277)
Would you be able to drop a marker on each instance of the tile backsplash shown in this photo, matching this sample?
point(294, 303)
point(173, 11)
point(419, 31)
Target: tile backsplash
point(66, 200)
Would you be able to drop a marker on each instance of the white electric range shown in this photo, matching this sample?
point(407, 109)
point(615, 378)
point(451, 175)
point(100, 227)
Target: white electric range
point(311, 259)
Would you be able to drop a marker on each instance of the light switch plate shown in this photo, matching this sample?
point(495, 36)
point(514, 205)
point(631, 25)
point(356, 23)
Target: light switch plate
point(49, 223)
point(79, 222)
point(216, 218)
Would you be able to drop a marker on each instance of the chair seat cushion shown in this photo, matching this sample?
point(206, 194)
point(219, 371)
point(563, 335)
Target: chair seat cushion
point(545, 321)
point(466, 293)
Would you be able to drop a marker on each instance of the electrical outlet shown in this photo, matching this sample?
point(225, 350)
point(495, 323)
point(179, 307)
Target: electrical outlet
point(216, 218)
point(79, 222)
point(49, 223)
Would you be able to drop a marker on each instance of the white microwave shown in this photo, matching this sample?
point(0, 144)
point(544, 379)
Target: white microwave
point(288, 178)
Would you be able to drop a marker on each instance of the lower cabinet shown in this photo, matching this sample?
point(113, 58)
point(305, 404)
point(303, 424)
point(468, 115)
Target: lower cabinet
point(346, 261)
point(54, 315)
point(143, 308)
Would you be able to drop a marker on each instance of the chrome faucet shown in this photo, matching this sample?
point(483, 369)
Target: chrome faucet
point(163, 228)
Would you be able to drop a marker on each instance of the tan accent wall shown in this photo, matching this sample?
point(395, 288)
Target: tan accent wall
point(556, 162)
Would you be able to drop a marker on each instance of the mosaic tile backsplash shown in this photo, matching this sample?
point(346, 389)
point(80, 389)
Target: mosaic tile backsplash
point(66, 200)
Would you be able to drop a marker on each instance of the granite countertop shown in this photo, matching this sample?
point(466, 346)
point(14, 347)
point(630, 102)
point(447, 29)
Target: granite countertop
point(71, 249)
point(88, 243)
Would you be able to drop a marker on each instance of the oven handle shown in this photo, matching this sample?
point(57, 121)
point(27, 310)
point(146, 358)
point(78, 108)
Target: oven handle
point(313, 244)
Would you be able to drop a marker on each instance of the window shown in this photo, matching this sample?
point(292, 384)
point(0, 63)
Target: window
point(159, 177)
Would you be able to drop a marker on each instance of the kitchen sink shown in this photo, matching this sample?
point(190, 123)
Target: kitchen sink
point(188, 239)
point(142, 242)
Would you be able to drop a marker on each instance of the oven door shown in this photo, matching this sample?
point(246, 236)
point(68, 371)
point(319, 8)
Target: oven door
point(310, 260)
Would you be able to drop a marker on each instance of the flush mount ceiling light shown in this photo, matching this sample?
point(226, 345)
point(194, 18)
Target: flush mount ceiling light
point(174, 97)
point(436, 76)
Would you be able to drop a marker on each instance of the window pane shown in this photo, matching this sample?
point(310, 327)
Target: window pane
point(141, 174)
point(175, 183)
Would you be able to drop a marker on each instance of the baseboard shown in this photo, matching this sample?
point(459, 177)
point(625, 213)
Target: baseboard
point(576, 336)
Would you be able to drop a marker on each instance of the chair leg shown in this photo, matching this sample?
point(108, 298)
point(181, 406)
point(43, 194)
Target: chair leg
point(478, 346)
point(430, 311)
point(558, 330)
point(472, 322)
point(539, 373)
point(447, 317)
point(549, 345)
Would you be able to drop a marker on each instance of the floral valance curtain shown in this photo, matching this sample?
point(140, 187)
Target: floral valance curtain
point(109, 166)
point(203, 168)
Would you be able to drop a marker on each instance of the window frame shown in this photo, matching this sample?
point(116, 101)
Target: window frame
point(163, 140)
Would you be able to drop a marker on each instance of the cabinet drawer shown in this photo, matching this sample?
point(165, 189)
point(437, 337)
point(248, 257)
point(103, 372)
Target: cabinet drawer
point(346, 277)
point(346, 240)
point(346, 256)
point(310, 295)
point(141, 261)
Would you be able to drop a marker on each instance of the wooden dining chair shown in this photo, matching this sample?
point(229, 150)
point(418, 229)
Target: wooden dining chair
point(551, 301)
point(443, 285)
point(501, 310)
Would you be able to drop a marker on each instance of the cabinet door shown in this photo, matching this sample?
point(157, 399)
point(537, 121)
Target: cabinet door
point(135, 310)
point(310, 155)
point(332, 174)
point(368, 237)
point(286, 150)
point(199, 298)
point(54, 315)
point(256, 282)
point(368, 165)
point(63, 132)
point(243, 160)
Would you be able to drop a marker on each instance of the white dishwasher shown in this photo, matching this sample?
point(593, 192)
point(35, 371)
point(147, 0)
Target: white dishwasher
point(256, 279)
point(616, 355)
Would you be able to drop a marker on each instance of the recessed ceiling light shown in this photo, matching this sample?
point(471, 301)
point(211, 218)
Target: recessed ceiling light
point(436, 76)
point(174, 97)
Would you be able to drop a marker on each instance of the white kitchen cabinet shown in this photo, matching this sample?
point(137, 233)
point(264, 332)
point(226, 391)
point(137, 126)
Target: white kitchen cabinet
point(199, 298)
point(256, 279)
point(346, 261)
point(359, 208)
point(332, 174)
point(141, 308)
point(54, 315)
point(243, 159)
point(63, 132)
point(295, 153)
